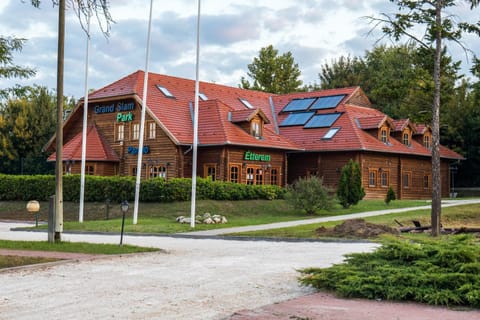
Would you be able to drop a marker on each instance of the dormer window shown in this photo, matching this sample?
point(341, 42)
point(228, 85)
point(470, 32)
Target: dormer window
point(256, 128)
point(406, 139)
point(384, 135)
point(426, 141)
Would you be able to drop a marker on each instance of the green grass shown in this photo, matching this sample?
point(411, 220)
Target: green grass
point(160, 217)
point(77, 247)
point(452, 217)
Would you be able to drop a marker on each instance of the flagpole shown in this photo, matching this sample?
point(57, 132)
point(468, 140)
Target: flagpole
point(84, 129)
point(142, 121)
point(195, 127)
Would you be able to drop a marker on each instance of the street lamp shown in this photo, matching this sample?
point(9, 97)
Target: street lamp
point(124, 208)
point(33, 206)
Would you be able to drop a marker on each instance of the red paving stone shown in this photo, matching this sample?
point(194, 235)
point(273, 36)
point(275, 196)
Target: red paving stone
point(323, 306)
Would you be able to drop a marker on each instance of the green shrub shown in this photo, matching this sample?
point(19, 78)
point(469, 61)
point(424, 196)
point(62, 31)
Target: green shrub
point(117, 189)
point(390, 195)
point(350, 190)
point(309, 195)
point(440, 272)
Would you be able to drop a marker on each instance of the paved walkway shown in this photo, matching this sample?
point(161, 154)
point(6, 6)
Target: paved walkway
point(276, 225)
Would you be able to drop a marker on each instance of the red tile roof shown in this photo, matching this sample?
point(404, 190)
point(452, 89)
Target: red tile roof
point(97, 149)
point(219, 114)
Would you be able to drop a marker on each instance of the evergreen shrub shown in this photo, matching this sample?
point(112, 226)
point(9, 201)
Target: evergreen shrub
point(117, 189)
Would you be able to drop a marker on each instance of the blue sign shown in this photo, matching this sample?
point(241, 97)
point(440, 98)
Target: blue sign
point(134, 150)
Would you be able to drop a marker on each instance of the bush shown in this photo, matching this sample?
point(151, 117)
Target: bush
point(309, 195)
point(350, 190)
point(117, 189)
point(390, 195)
point(438, 272)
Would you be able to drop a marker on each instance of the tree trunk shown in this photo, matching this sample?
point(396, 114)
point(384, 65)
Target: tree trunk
point(436, 177)
point(59, 128)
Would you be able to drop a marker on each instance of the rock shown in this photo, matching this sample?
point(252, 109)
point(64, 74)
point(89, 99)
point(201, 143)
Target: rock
point(180, 218)
point(209, 221)
point(206, 215)
point(224, 220)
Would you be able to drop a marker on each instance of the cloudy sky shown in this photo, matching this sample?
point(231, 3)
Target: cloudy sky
point(232, 33)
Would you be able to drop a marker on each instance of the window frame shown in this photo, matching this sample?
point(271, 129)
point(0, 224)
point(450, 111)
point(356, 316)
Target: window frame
point(135, 132)
point(384, 178)
point(238, 174)
point(372, 178)
point(406, 177)
point(275, 176)
point(207, 171)
point(152, 130)
point(119, 132)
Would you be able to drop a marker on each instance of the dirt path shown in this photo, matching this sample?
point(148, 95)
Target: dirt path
point(196, 279)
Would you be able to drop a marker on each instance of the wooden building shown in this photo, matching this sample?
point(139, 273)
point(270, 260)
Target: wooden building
point(250, 137)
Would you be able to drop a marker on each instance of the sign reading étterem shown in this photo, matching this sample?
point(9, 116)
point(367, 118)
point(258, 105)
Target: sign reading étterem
point(255, 156)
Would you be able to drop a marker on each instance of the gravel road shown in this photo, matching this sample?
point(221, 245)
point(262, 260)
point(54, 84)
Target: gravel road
point(194, 279)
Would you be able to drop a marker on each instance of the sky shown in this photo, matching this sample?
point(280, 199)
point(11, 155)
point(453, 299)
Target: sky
point(231, 34)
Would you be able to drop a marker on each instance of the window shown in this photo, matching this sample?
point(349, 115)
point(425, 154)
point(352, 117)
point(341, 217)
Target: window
point(330, 133)
point(90, 169)
point(406, 180)
point(120, 132)
point(384, 135)
point(135, 131)
point(384, 179)
point(258, 176)
point(372, 178)
point(151, 130)
point(426, 141)
point(202, 96)
point(234, 173)
point(246, 103)
point(210, 171)
point(157, 172)
point(274, 176)
point(256, 129)
point(426, 181)
point(134, 171)
point(250, 175)
point(165, 91)
point(406, 139)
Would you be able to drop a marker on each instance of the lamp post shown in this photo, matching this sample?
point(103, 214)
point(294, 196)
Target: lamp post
point(33, 206)
point(124, 208)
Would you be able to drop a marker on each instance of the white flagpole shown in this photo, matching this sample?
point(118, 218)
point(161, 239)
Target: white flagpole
point(195, 127)
point(84, 129)
point(142, 121)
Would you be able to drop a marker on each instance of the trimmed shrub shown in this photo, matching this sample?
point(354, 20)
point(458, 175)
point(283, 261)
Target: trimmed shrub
point(309, 195)
point(350, 190)
point(390, 195)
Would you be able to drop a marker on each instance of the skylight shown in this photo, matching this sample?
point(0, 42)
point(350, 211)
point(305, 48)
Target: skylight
point(165, 91)
point(202, 96)
point(246, 103)
point(297, 119)
point(327, 102)
point(331, 133)
point(298, 105)
point(322, 120)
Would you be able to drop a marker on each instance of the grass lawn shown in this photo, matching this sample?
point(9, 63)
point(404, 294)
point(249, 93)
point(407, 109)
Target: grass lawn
point(160, 217)
point(9, 261)
point(452, 217)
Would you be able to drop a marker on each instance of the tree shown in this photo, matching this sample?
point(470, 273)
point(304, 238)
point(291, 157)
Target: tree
point(8, 69)
point(273, 73)
point(429, 15)
point(350, 190)
point(309, 195)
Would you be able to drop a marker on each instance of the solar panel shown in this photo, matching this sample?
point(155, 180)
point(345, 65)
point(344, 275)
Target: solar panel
point(297, 119)
point(327, 102)
point(322, 120)
point(298, 105)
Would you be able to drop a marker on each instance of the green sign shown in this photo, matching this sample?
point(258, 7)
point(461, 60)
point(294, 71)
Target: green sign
point(256, 157)
point(124, 117)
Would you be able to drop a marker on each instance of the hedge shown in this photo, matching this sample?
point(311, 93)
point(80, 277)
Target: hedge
point(117, 189)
